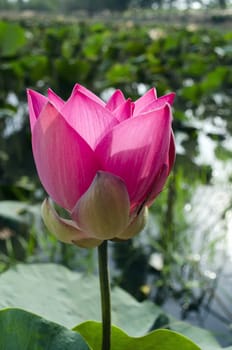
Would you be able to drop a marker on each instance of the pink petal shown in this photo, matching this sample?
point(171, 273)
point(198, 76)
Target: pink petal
point(55, 99)
point(90, 119)
point(158, 103)
point(65, 163)
point(36, 103)
point(115, 100)
point(172, 153)
point(157, 185)
point(160, 180)
point(136, 149)
point(144, 100)
point(88, 93)
point(124, 111)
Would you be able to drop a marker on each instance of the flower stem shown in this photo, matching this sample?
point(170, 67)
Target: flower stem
point(105, 295)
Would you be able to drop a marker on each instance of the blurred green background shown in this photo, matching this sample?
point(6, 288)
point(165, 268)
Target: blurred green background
point(182, 260)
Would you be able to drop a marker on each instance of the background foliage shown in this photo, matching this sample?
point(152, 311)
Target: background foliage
point(67, 6)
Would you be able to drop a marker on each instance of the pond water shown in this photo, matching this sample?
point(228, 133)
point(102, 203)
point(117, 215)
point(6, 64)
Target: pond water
point(210, 229)
point(209, 220)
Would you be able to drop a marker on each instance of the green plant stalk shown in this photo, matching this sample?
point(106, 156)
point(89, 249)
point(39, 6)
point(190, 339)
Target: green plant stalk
point(105, 295)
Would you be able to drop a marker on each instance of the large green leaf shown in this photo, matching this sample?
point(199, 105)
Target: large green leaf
point(21, 330)
point(69, 298)
point(158, 340)
point(201, 336)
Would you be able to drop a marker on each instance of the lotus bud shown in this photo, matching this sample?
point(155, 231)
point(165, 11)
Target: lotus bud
point(73, 141)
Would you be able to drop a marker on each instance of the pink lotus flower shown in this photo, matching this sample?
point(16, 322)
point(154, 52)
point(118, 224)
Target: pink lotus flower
point(103, 162)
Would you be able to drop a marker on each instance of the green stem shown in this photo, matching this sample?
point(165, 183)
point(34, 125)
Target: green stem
point(105, 295)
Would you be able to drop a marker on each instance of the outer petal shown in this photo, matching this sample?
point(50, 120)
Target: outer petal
point(145, 100)
point(135, 226)
point(124, 111)
point(65, 163)
point(65, 230)
point(158, 103)
point(104, 209)
point(115, 100)
point(88, 243)
point(137, 148)
point(90, 119)
point(55, 99)
point(36, 103)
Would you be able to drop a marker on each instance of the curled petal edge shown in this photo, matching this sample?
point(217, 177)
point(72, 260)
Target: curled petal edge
point(65, 230)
